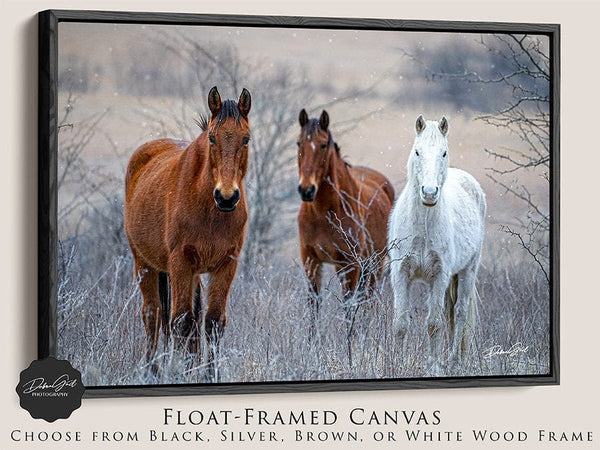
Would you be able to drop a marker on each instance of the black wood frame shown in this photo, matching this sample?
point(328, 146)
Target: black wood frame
point(48, 195)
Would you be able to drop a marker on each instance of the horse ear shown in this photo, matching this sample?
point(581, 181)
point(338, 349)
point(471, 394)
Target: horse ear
point(303, 117)
point(214, 101)
point(324, 120)
point(443, 126)
point(420, 125)
point(245, 102)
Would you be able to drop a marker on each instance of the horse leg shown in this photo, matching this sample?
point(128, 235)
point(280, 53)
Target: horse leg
point(463, 328)
point(312, 268)
point(218, 290)
point(399, 277)
point(151, 308)
point(197, 310)
point(435, 315)
point(165, 301)
point(449, 303)
point(373, 279)
point(216, 314)
point(183, 324)
point(350, 278)
point(197, 301)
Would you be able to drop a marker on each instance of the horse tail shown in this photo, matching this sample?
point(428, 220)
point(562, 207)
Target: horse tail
point(163, 295)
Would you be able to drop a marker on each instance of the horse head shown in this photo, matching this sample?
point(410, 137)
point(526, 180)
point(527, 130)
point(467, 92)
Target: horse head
point(315, 145)
point(228, 132)
point(428, 161)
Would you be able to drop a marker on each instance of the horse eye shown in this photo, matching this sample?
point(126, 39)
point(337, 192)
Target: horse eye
point(211, 139)
point(416, 153)
point(323, 146)
point(298, 143)
point(444, 155)
point(245, 141)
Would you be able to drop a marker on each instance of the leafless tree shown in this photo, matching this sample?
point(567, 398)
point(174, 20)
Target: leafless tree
point(520, 73)
point(358, 253)
point(90, 198)
point(527, 114)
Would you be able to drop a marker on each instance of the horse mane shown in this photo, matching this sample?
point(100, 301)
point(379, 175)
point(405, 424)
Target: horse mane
point(312, 127)
point(337, 149)
point(229, 108)
point(202, 122)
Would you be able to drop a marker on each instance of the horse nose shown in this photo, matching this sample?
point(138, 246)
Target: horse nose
point(308, 194)
point(429, 195)
point(430, 191)
point(226, 204)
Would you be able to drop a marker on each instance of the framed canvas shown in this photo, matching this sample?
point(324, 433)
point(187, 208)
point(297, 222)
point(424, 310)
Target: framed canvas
point(240, 204)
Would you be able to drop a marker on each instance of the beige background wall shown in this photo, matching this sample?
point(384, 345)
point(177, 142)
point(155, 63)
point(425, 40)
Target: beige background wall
point(569, 407)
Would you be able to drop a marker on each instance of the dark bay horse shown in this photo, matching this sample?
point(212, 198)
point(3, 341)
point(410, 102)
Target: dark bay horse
point(185, 214)
point(344, 214)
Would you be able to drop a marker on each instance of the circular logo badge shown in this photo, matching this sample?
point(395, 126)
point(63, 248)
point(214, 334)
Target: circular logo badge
point(50, 389)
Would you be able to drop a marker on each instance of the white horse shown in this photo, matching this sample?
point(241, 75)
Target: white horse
point(435, 234)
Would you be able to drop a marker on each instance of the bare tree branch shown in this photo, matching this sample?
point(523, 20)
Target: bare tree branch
point(525, 77)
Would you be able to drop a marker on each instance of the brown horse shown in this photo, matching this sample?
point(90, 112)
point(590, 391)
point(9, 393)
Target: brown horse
point(344, 214)
point(185, 214)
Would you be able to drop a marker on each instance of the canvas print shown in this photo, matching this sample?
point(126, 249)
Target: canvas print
point(283, 204)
